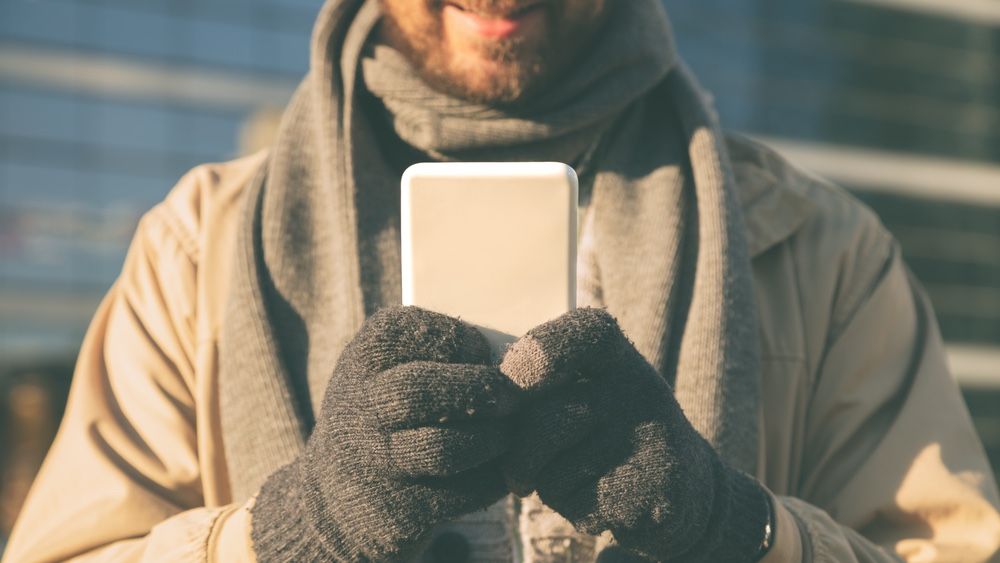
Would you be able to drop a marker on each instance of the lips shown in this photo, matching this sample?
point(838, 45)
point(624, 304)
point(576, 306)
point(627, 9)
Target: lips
point(489, 23)
point(489, 10)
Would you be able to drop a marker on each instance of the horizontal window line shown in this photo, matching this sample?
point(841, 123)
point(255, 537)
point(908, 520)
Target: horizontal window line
point(975, 366)
point(116, 77)
point(982, 12)
point(949, 246)
point(895, 172)
point(94, 158)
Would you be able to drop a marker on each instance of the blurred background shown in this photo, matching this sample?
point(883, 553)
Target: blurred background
point(104, 104)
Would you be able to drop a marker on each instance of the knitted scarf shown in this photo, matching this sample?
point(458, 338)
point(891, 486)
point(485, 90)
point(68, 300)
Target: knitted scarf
point(318, 249)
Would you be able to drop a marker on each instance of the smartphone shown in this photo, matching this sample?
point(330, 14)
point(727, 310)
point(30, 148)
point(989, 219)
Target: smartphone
point(493, 244)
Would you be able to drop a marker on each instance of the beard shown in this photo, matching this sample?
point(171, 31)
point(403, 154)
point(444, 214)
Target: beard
point(493, 71)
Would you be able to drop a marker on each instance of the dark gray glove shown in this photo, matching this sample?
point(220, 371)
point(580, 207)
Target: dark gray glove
point(411, 425)
point(604, 443)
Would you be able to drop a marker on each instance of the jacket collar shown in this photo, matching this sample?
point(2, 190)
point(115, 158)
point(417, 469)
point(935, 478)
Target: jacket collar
point(770, 190)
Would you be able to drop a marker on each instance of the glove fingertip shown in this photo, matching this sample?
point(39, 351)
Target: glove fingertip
point(471, 345)
point(407, 333)
point(526, 363)
point(618, 554)
point(551, 353)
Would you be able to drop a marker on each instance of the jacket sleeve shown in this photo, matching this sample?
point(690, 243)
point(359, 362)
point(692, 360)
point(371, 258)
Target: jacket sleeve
point(892, 466)
point(121, 481)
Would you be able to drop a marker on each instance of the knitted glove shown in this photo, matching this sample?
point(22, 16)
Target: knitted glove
point(617, 554)
point(604, 443)
point(412, 422)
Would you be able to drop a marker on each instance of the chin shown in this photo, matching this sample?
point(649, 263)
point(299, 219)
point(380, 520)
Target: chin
point(489, 82)
point(496, 73)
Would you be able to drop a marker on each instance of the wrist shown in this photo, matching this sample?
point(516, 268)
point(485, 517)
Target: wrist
point(285, 525)
point(741, 517)
point(736, 530)
point(769, 536)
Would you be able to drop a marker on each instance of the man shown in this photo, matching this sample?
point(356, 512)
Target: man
point(758, 377)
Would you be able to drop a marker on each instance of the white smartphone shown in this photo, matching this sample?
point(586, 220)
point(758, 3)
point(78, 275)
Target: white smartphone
point(493, 244)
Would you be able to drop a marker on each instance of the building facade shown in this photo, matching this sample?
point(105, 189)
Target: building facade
point(105, 103)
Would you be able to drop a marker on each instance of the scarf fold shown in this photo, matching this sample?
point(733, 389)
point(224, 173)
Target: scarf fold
point(321, 226)
point(625, 62)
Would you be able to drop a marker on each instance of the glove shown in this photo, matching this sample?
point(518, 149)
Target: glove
point(604, 443)
point(616, 554)
point(412, 423)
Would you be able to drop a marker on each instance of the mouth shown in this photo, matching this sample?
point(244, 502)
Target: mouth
point(490, 10)
point(491, 24)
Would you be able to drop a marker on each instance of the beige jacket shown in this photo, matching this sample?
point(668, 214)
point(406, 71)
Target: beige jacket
point(866, 443)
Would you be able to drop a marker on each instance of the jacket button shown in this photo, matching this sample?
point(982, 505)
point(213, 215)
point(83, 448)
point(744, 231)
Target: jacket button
point(449, 547)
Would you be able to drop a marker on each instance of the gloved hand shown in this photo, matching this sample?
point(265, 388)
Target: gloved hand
point(603, 442)
point(412, 423)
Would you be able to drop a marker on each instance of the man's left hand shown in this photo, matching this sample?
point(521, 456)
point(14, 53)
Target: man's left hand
point(604, 443)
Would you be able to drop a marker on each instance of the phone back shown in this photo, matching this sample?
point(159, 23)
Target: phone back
point(491, 243)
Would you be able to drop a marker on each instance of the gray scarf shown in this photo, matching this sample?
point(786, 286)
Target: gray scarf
point(318, 249)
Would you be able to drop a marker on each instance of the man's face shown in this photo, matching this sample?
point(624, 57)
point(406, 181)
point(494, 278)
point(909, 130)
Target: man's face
point(491, 51)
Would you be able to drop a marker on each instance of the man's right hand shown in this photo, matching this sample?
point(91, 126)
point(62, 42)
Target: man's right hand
point(411, 426)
